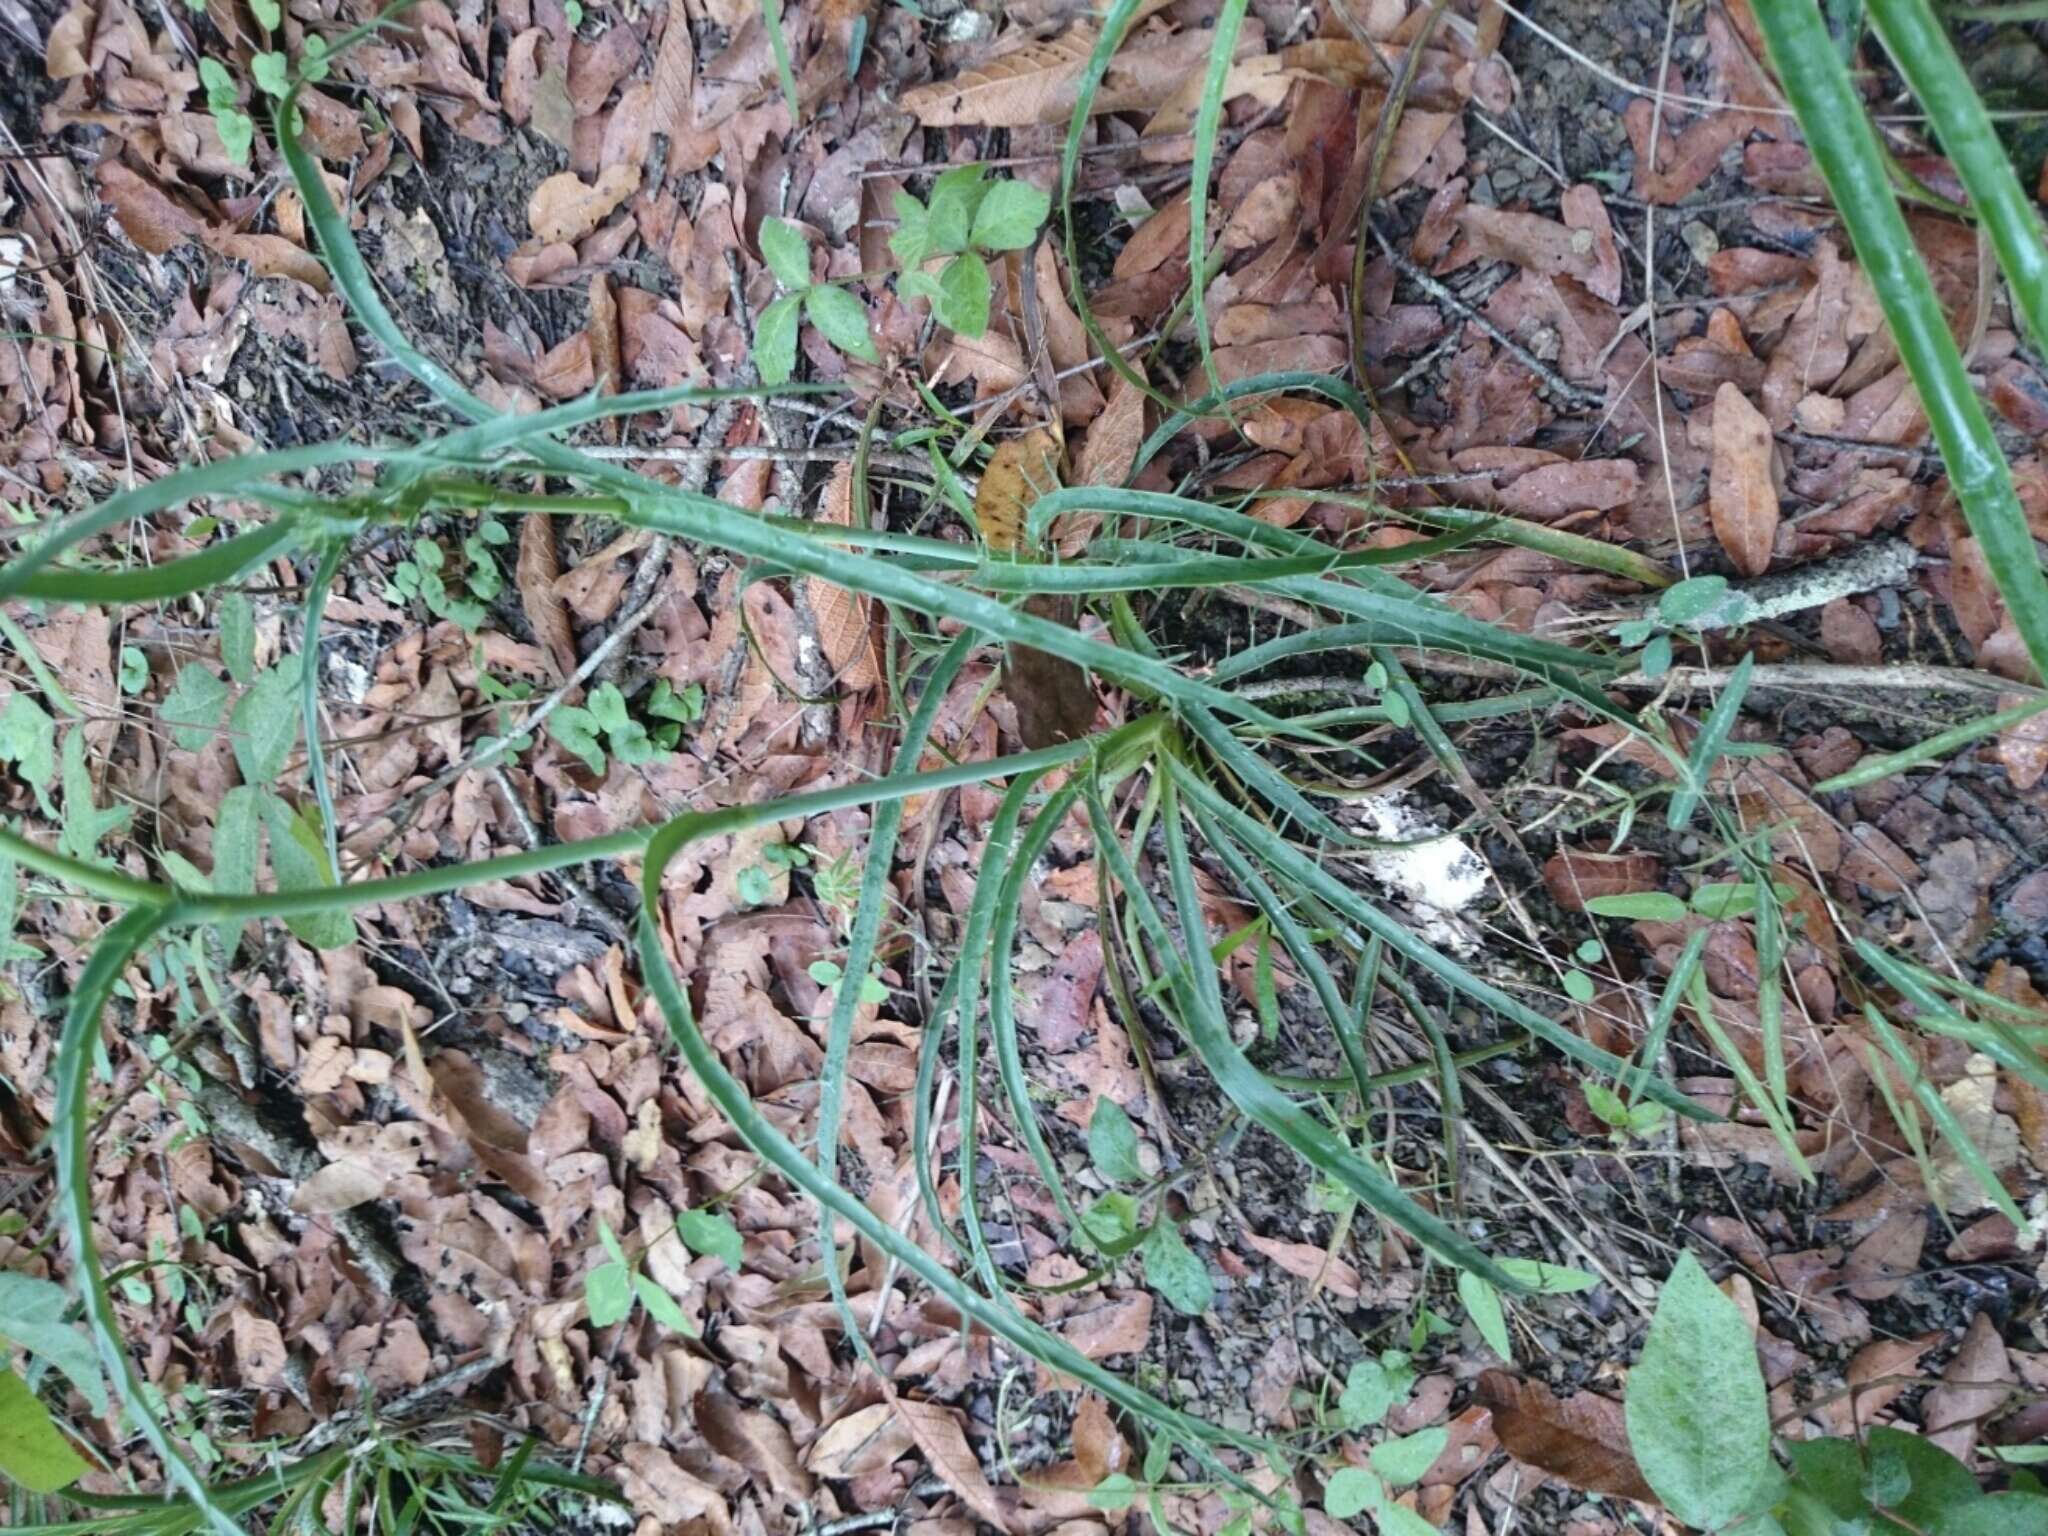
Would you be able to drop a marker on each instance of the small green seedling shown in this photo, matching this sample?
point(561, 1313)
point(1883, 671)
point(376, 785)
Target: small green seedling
point(839, 315)
point(459, 591)
point(1625, 1121)
point(756, 883)
point(1393, 1464)
point(1113, 1222)
point(601, 727)
point(968, 217)
point(1699, 603)
point(829, 973)
point(611, 1288)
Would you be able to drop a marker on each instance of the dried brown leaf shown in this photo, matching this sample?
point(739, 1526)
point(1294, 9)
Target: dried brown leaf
point(1018, 473)
point(1573, 877)
point(846, 630)
point(603, 330)
point(1581, 1440)
point(1039, 82)
point(539, 568)
point(756, 1440)
point(1888, 1257)
point(1099, 1448)
point(338, 1187)
point(945, 1447)
point(1741, 497)
point(1971, 1390)
point(866, 1439)
point(149, 215)
point(565, 207)
point(1310, 1262)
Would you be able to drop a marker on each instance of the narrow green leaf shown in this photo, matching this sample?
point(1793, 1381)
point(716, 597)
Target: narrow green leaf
point(1698, 1418)
point(1549, 1279)
point(1945, 1118)
point(1919, 44)
point(1208, 122)
point(1707, 748)
point(608, 1293)
point(1482, 1303)
point(661, 1306)
point(1846, 149)
point(1638, 906)
point(610, 1240)
point(32, 1315)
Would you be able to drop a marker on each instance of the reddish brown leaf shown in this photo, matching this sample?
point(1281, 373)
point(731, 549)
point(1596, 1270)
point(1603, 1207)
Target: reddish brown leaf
point(1581, 1440)
point(846, 631)
point(1307, 1261)
point(1741, 497)
point(1573, 877)
point(538, 570)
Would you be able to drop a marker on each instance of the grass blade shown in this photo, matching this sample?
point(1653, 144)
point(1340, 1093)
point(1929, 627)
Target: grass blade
point(1919, 45)
point(772, 1147)
point(1281, 857)
point(1712, 738)
point(1201, 1014)
point(1870, 769)
point(1208, 122)
point(1845, 147)
point(69, 1133)
point(879, 866)
point(1943, 1117)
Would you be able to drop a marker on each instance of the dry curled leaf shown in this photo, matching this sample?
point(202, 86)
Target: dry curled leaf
point(863, 1441)
point(1741, 497)
point(1040, 81)
point(1581, 1440)
point(565, 207)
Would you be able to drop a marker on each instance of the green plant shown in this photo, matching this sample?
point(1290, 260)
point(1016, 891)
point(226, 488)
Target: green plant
point(968, 218)
point(603, 726)
point(838, 314)
point(1198, 764)
point(1699, 1425)
point(458, 590)
point(1850, 158)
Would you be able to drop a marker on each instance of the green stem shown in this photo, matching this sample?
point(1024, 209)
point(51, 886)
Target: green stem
point(1846, 149)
